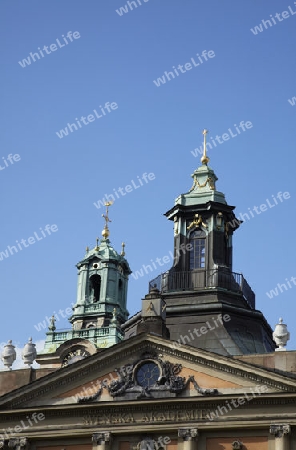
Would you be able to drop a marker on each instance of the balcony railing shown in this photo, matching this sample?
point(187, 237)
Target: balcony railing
point(204, 279)
point(101, 337)
point(62, 335)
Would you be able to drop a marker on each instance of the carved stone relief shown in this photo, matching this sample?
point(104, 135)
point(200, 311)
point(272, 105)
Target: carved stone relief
point(149, 377)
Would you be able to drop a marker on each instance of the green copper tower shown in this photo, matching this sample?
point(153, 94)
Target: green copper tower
point(100, 307)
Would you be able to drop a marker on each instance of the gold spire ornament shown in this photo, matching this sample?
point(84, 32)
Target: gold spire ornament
point(105, 232)
point(97, 246)
point(122, 249)
point(205, 159)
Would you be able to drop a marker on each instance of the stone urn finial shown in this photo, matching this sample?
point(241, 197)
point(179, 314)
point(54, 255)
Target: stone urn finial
point(281, 335)
point(113, 321)
point(8, 355)
point(29, 353)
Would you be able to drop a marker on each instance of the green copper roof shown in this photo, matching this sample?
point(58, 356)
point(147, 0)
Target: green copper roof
point(203, 189)
point(105, 252)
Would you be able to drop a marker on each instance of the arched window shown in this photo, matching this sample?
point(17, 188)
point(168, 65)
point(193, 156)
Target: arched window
point(197, 258)
point(95, 288)
point(119, 290)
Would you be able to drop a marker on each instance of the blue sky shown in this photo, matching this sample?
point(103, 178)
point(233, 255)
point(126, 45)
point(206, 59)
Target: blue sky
point(153, 129)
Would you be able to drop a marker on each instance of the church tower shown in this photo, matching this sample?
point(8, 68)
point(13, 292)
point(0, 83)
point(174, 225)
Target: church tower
point(203, 228)
point(207, 304)
point(100, 308)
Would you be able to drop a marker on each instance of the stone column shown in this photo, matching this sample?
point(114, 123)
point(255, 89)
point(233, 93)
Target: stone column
point(189, 436)
point(101, 441)
point(281, 433)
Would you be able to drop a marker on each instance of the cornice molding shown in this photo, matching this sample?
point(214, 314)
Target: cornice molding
point(65, 376)
point(188, 410)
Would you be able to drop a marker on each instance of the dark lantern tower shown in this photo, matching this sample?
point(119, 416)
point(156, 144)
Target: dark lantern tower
point(208, 305)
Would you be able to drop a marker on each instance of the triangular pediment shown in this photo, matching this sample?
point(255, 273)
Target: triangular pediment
point(147, 367)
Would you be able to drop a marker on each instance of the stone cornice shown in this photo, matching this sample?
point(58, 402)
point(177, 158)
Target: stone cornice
point(93, 364)
point(244, 370)
point(83, 421)
point(199, 404)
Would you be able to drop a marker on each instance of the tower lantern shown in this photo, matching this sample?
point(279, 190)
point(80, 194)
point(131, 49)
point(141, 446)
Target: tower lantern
point(101, 289)
point(201, 287)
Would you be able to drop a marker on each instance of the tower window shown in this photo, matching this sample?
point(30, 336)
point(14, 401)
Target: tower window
point(95, 288)
point(197, 258)
point(120, 290)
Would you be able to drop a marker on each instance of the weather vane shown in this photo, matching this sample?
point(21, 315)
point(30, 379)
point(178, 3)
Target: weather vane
point(105, 231)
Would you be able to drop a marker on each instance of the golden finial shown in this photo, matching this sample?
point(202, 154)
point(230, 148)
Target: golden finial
point(97, 246)
point(87, 249)
point(205, 159)
point(122, 250)
point(105, 231)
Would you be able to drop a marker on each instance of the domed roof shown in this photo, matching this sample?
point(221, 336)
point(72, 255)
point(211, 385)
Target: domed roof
point(104, 252)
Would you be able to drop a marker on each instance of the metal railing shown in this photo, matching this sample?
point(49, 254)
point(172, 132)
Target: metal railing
point(84, 333)
point(171, 281)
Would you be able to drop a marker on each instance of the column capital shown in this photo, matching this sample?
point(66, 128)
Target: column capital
point(17, 443)
point(188, 434)
point(279, 430)
point(23, 442)
point(104, 436)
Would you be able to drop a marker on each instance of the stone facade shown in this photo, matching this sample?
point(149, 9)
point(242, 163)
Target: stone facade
point(195, 369)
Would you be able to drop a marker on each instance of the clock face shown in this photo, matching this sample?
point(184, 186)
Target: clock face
point(74, 356)
point(147, 374)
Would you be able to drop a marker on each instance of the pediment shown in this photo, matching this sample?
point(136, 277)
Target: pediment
point(147, 367)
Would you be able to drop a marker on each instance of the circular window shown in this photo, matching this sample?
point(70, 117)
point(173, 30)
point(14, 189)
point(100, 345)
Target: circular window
point(147, 374)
